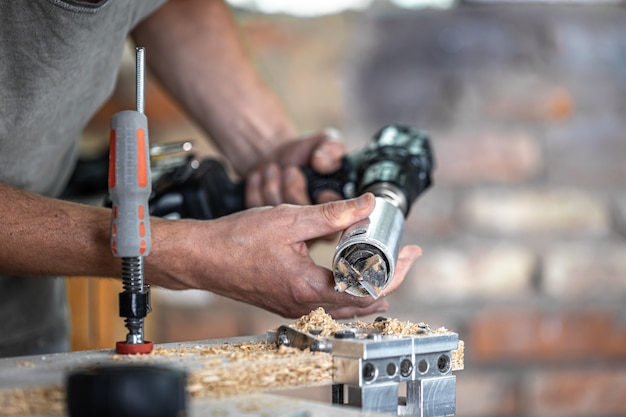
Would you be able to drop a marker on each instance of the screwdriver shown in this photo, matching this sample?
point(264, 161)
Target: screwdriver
point(130, 187)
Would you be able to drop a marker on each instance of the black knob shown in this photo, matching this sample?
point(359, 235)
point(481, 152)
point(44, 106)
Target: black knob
point(127, 391)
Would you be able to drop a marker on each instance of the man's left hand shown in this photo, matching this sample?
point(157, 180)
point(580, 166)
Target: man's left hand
point(279, 179)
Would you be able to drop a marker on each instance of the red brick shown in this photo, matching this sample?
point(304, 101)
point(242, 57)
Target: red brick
point(538, 212)
point(433, 214)
point(455, 273)
point(589, 152)
point(527, 98)
point(586, 271)
point(575, 392)
point(491, 157)
point(500, 335)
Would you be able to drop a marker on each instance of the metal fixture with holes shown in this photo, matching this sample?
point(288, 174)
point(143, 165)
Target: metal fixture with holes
point(369, 368)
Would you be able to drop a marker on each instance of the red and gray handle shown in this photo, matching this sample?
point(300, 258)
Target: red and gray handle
point(129, 184)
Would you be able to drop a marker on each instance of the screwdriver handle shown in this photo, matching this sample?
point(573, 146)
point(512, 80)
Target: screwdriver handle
point(130, 184)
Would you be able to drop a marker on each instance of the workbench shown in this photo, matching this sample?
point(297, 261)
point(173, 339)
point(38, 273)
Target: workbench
point(35, 384)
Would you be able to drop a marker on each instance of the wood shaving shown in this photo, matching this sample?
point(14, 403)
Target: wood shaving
point(302, 370)
point(237, 368)
point(36, 401)
point(318, 320)
point(458, 357)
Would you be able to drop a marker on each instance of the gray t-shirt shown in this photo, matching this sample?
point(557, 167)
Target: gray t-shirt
point(58, 64)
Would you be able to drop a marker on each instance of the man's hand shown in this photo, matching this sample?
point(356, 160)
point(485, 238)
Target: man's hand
point(279, 179)
point(260, 257)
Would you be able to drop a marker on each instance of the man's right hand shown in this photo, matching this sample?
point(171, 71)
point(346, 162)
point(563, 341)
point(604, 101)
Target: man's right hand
point(260, 256)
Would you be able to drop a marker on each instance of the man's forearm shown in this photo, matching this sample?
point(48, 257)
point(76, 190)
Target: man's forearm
point(42, 236)
point(194, 49)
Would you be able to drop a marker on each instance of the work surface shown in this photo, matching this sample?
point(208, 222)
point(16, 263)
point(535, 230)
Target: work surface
point(241, 376)
point(34, 385)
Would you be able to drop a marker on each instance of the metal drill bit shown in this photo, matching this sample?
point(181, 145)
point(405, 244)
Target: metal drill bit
point(361, 269)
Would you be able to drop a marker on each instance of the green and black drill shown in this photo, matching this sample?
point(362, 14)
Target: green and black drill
point(396, 167)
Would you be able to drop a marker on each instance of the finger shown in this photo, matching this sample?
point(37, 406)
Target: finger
point(324, 219)
point(406, 257)
point(271, 185)
point(327, 156)
point(379, 307)
point(301, 150)
point(294, 186)
point(253, 190)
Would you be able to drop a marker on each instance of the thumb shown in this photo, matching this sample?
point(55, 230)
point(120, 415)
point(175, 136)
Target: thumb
point(324, 219)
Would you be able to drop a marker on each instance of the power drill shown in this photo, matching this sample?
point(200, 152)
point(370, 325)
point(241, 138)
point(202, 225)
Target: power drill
point(396, 167)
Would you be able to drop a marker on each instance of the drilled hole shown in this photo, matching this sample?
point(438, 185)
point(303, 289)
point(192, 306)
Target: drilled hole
point(369, 372)
point(443, 364)
point(422, 366)
point(406, 368)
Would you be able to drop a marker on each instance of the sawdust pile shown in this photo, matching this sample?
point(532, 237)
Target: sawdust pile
point(458, 357)
point(319, 320)
point(239, 368)
point(36, 401)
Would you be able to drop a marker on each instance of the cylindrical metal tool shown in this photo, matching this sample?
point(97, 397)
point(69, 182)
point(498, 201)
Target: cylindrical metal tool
point(365, 256)
point(130, 187)
point(396, 168)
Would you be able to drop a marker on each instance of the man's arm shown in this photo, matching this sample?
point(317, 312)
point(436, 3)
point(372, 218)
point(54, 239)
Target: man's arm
point(42, 236)
point(258, 256)
point(194, 49)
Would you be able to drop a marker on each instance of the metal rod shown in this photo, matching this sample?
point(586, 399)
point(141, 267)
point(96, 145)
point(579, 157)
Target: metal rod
point(140, 74)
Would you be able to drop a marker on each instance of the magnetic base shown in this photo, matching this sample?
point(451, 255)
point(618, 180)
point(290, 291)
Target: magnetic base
point(124, 348)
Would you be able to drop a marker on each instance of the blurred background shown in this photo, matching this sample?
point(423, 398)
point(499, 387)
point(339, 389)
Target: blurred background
point(524, 230)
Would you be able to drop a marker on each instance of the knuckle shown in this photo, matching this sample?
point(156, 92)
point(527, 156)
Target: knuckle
point(332, 213)
point(301, 298)
point(301, 294)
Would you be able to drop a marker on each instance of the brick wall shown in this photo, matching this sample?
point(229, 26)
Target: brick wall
point(524, 231)
point(524, 250)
